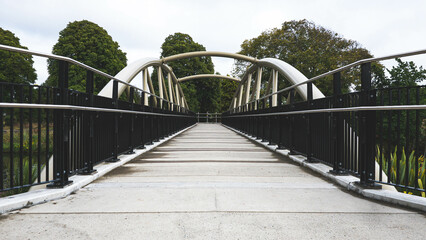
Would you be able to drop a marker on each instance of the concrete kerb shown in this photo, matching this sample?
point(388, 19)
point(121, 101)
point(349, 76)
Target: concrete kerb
point(348, 182)
point(15, 202)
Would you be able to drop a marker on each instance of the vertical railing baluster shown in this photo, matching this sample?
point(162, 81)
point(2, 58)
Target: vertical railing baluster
point(47, 156)
point(131, 127)
point(389, 136)
point(309, 150)
point(89, 135)
point(398, 136)
point(30, 136)
point(270, 128)
point(21, 136)
point(367, 129)
point(337, 127)
point(407, 137)
point(291, 125)
point(11, 150)
point(416, 145)
point(115, 130)
point(380, 147)
point(1, 141)
point(142, 121)
point(62, 118)
point(39, 135)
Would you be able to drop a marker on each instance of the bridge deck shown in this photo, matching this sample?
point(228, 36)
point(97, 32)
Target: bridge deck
point(210, 183)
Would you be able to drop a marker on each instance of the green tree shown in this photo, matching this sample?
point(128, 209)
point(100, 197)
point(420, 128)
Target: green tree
point(311, 49)
point(405, 74)
point(228, 89)
point(90, 44)
point(15, 67)
point(202, 95)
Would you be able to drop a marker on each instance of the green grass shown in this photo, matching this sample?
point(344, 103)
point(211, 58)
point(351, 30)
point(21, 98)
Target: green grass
point(26, 140)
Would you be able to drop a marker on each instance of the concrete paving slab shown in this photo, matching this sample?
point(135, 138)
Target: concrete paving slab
point(212, 225)
point(189, 189)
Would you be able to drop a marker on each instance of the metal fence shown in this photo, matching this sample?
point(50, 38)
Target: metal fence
point(209, 117)
point(48, 134)
point(359, 133)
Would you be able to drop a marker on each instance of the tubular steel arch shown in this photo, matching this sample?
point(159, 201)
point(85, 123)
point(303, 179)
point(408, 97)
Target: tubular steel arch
point(208, 54)
point(208, 76)
point(241, 96)
point(293, 75)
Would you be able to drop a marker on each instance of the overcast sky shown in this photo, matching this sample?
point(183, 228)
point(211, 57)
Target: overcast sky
point(140, 27)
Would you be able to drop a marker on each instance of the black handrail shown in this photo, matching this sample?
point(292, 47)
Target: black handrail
point(75, 130)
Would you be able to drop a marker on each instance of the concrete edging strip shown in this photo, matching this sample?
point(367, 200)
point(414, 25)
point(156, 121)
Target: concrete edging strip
point(18, 201)
point(348, 182)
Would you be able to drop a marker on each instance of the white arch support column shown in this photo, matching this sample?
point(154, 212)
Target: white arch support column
point(145, 85)
point(258, 83)
point(240, 95)
point(177, 95)
point(274, 87)
point(247, 89)
point(160, 85)
point(169, 84)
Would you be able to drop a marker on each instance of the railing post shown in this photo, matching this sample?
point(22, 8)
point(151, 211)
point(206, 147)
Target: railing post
point(291, 130)
point(337, 128)
point(143, 119)
point(150, 121)
point(309, 153)
point(62, 131)
point(279, 118)
point(115, 130)
point(271, 105)
point(264, 119)
point(89, 155)
point(258, 122)
point(367, 130)
point(132, 121)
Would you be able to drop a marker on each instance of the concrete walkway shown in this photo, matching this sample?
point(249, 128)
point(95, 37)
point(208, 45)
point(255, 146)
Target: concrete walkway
point(210, 183)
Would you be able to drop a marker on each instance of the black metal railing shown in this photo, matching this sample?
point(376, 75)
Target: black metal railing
point(209, 117)
point(48, 134)
point(359, 133)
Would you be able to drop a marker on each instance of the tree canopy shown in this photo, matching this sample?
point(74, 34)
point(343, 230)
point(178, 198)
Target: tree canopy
point(405, 74)
point(227, 91)
point(204, 94)
point(15, 67)
point(90, 44)
point(311, 49)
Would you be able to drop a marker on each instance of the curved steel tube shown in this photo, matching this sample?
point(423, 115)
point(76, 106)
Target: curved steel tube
point(208, 54)
point(208, 76)
point(289, 72)
point(130, 71)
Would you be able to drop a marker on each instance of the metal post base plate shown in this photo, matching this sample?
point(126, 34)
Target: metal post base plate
point(368, 186)
point(88, 172)
point(112, 160)
point(338, 172)
point(55, 185)
point(130, 152)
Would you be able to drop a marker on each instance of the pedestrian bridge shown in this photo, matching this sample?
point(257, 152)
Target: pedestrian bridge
point(128, 163)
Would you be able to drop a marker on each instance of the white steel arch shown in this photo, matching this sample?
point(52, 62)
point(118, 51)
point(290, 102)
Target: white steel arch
point(208, 76)
point(278, 66)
